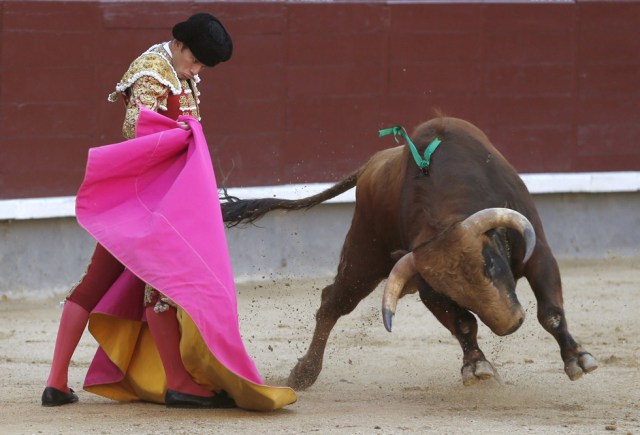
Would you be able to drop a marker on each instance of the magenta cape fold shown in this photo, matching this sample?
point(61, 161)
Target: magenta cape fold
point(153, 203)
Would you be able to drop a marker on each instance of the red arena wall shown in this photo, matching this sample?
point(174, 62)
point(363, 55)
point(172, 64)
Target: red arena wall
point(554, 85)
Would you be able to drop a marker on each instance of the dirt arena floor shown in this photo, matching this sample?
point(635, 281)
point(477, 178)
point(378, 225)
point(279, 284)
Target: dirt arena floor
point(373, 382)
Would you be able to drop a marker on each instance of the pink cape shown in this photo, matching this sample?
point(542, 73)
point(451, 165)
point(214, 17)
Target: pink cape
point(153, 203)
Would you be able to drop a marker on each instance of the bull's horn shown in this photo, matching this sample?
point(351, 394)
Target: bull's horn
point(403, 270)
point(489, 218)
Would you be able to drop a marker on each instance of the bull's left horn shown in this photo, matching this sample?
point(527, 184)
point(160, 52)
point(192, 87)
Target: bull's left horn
point(403, 270)
point(489, 218)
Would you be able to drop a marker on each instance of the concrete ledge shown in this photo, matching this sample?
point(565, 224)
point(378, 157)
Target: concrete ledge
point(37, 208)
point(582, 182)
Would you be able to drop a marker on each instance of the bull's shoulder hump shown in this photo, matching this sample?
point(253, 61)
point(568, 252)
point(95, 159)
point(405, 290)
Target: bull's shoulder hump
point(442, 125)
point(465, 126)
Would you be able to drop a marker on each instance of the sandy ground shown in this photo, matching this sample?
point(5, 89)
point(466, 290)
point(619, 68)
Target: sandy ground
point(373, 382)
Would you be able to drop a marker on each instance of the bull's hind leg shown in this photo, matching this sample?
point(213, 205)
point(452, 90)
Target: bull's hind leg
point(544, 277)
point(464, 327)
point(338, 300)
point(363, 264)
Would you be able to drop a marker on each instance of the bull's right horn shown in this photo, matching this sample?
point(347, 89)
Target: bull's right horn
point(489, 218)
point(403, 270)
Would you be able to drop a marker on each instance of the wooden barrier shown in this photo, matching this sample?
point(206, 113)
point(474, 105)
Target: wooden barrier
point(554, 85)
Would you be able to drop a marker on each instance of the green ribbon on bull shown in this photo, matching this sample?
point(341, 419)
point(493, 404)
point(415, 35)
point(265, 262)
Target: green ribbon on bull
point(422, 162)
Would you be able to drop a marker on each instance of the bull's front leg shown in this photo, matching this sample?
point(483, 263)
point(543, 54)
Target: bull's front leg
point(544, 277)
point(464, 326)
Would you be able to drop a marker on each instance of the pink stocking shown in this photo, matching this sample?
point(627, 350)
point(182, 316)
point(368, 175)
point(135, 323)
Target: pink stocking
point(166, 334)
point(74, 320)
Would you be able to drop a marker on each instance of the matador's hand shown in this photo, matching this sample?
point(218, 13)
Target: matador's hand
point(184, 125)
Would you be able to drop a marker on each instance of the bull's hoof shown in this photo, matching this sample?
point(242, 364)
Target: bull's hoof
point(302, 376)
point(584, 363)
point(481, 370)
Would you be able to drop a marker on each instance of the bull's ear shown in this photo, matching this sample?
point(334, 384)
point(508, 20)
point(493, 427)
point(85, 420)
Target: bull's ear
point(397, 255)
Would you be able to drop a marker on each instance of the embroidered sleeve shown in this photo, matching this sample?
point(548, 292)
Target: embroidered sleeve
point(146, 91)
point(196, 97)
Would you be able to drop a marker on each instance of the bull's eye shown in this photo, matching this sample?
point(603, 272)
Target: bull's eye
point(494, 265)
point(489, 267)
point(496, 268)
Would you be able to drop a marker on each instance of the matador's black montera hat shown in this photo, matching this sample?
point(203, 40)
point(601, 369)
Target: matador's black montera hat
point(206, 37)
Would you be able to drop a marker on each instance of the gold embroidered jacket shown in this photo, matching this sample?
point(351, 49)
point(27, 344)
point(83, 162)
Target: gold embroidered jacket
point(152, 81)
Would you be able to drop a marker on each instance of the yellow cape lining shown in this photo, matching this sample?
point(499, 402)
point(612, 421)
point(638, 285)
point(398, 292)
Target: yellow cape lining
point(129, 345)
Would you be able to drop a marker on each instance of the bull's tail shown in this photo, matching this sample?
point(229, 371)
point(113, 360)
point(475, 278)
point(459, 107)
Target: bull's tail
point(237, 211)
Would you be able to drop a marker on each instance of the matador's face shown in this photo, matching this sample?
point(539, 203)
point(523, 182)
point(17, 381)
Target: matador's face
point(184, 62)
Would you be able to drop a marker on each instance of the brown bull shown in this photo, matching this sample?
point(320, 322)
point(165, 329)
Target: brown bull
point(461, 235)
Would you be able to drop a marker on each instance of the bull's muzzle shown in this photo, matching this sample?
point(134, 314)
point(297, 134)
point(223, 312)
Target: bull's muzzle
point(507, 324)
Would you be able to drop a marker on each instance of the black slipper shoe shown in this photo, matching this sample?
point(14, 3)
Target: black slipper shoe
point(176, 399)
point(54, 397)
